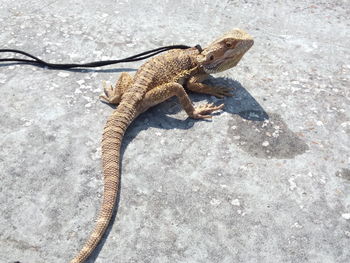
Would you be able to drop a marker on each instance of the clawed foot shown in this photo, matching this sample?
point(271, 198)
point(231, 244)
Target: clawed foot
point(110, 95)
point(221, 92)
point(203, 111)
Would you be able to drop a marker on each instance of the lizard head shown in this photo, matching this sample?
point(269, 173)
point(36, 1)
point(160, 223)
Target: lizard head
point(225, 52)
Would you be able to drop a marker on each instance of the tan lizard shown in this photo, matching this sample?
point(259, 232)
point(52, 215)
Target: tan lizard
point(160, 78)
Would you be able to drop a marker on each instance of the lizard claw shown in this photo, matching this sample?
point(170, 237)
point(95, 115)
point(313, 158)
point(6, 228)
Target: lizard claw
point(110, 94)
point(203, 111)
point(222, 92)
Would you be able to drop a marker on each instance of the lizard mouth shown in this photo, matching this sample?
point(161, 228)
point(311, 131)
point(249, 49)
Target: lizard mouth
point(222, 64)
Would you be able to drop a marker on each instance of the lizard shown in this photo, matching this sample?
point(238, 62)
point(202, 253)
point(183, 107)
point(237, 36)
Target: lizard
point(157, 80)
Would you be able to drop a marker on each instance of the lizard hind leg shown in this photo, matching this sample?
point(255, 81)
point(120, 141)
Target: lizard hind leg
point(113, 95)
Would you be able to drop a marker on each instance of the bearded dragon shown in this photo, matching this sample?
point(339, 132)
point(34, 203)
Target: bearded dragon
point(157, 80)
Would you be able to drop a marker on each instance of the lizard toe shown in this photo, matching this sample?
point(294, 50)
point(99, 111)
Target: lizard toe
point(202, 111)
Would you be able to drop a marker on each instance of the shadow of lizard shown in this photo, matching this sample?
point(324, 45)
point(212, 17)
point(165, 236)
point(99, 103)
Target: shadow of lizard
point(245, 110)
point(242, 104)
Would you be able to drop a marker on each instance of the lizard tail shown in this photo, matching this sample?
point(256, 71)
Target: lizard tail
point(113, 134)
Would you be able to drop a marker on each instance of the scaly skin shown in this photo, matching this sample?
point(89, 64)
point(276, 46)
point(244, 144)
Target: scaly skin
point(157, 80)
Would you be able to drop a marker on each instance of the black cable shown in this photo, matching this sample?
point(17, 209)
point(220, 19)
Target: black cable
point(38, 62)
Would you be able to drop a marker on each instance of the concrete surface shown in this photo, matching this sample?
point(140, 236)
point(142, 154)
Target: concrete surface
point(267, 180)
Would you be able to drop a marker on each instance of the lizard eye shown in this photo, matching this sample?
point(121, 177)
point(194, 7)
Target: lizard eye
point(231, 44)
point(211, 57)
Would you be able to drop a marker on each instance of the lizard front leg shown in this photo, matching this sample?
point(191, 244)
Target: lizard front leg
point(114, 94)
point(166, 91)
point(194, 84)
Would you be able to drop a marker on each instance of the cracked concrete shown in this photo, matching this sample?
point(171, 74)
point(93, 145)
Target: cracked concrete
point(267, 180)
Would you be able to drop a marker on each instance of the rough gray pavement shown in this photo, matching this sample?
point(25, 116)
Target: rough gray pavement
point(267, 180)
